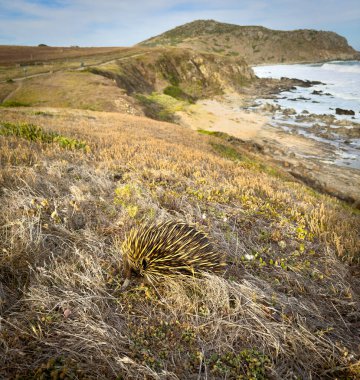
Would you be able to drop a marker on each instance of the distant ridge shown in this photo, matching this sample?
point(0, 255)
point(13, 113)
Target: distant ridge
point(257, 44)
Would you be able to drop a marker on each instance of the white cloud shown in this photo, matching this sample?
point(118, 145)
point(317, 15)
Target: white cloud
point(119, 22)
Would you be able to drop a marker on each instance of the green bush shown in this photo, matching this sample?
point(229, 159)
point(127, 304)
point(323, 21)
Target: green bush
point(154, 109)
point(221, 135)
point(32, 132)
point(177, 93)
point(246, 364)
point(14, 103)
point(227, 152)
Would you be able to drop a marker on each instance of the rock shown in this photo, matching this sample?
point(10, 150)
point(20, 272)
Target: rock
point(67, 313)
point(315, 92)
point(117, 177)
point(282, 244)
point(340, 111)
point(289, 111)
point(267, 107)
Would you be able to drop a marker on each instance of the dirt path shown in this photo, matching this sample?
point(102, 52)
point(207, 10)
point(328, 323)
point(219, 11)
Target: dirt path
point(8, 96)
point(19, 79)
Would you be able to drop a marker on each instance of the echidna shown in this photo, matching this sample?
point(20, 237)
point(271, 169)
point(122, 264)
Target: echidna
point(168, 249)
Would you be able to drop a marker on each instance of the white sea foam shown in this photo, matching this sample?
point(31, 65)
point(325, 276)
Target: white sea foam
point(339, 88)
point(341, 68)
point(340, 79)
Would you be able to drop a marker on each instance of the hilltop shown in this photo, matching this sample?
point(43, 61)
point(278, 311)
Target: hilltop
point(256, 44)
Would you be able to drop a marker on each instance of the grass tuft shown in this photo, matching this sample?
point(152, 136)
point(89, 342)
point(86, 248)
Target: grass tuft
point(177, 93)
point(34, 133)
point(14, 103)
point(227, 152)
point(161, 107)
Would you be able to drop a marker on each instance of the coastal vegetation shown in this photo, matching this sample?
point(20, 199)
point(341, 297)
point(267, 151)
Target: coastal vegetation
point(286, 304)
point(81, 165)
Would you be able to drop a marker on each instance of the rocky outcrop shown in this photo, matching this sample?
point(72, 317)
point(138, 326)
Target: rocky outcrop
point(196, 74)
point(340, 111)
point(255, 43)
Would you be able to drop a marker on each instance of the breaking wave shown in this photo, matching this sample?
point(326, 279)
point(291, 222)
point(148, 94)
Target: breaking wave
point(343, 67)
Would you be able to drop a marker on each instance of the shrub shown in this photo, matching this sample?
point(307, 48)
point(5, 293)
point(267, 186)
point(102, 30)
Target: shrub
point(154, 109)
point(32, 132)
point(227, 152)
point(14, 103)
point(177, 93)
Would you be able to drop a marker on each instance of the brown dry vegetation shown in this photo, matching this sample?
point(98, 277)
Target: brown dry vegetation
point(150, 81)
point(75, 89)
point(10, 54)
point(16, 61)
point(287, 307)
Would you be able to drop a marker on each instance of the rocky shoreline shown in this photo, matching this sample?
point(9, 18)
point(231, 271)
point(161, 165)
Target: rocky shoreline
point(320, 150)
point(317, 154)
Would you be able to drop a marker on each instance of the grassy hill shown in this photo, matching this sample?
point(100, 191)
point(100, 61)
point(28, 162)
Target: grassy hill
point(255, 43)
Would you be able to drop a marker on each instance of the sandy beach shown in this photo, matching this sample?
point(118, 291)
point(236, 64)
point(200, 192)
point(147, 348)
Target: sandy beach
point(223, 114)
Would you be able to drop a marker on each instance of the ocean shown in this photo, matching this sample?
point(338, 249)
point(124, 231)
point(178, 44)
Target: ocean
point(339, 88)
point(341, 84)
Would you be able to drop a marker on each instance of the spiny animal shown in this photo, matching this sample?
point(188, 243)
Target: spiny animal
point(168, 249)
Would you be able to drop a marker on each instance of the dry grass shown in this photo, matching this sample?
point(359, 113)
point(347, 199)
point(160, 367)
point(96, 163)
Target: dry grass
point(19, 54)
point(73, 89)
point(24, 61)
point(287, 306)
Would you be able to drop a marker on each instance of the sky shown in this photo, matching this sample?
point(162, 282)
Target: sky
point(127, 22)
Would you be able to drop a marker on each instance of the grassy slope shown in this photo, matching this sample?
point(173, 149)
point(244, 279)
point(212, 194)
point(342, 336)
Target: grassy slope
point(75, 89)
point(287, 306)
point(129, 81)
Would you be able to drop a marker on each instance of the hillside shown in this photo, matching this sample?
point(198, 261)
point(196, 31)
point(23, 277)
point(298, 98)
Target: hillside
point(255, 43)
point(179, 72)
point(287, 306)
point(132, 80)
